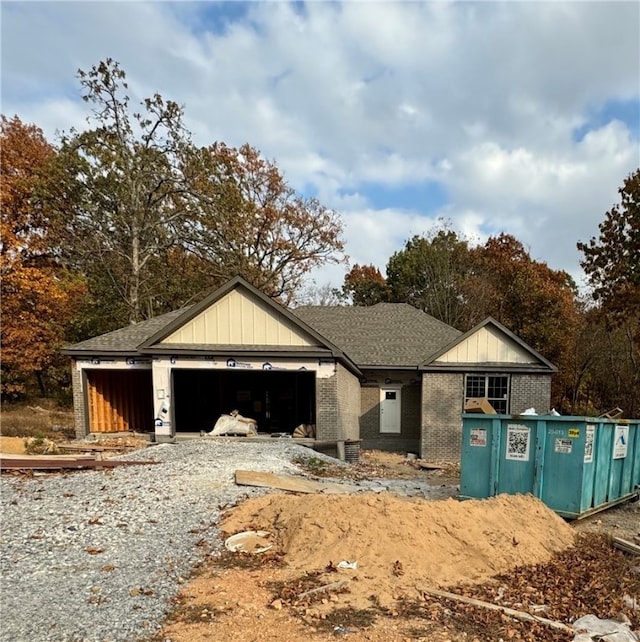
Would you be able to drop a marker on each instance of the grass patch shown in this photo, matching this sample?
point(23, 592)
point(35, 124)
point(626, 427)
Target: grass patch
point(40, 420)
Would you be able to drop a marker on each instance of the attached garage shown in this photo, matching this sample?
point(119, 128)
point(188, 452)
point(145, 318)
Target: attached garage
point(235, 350)
point(278, 400)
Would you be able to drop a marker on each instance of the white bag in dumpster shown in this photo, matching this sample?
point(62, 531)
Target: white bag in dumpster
point(234, 424)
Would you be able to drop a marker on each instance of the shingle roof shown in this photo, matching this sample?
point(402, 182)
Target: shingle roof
point(125, 339)
point(383, 335)
point(386, 334)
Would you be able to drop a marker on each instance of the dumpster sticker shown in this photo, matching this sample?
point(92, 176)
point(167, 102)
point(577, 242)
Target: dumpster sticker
point(478, 437)
point(563, 446)
point(588, 444)
point(518, 442)
point(574, 433)
point(621, 441)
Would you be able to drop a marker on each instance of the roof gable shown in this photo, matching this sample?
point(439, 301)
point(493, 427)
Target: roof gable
point(237, 314)
point(489, 343)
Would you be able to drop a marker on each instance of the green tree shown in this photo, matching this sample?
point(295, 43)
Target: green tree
point(429, 273)
point(127, 191)
point(612, 261)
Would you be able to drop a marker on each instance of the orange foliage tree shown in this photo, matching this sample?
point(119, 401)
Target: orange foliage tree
point(365, 285)
point(37, 296)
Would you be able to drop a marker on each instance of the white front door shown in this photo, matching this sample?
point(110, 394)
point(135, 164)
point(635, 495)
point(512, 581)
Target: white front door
point(390, 409)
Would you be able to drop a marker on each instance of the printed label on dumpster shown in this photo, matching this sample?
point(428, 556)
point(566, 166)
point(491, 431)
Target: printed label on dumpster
point(564, 446)
point(478, 437)
point(621, 441)
point(518, 438)
point(588, 444)
point(574, 433)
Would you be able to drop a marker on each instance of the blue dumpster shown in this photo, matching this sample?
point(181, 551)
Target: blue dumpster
point(575, 465)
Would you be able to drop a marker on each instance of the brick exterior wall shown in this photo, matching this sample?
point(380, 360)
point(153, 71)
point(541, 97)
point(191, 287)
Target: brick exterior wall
point(338, 406)
point(81, 419)
point(408, 440)
point(348, 391)
point(327, 408)
point(530, 391)
point(442, 402)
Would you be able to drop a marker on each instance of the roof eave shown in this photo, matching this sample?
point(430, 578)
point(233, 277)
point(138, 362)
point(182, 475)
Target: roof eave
point(509, 368)
point(100, 352)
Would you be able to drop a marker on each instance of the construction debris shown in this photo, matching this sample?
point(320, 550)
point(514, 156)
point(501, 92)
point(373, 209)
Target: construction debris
point(626, 546)
point(520, 615)
point(62, 462)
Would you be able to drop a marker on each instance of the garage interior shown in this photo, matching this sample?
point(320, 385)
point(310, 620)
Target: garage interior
point(279, 401)
point(120, 400)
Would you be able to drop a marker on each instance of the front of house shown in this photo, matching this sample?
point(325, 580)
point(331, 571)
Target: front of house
point(388, 375)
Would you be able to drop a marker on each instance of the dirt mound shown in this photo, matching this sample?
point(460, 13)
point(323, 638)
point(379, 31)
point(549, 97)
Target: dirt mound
point(399, 544)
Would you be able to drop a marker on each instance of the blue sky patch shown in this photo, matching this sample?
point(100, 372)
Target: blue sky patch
point(424, 197)
point(626, 111)
point(211, 17)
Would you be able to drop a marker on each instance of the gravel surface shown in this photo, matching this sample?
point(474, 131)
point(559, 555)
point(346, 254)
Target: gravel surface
point(98, 555)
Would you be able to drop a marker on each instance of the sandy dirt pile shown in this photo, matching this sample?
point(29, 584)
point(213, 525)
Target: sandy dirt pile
point(400, 544)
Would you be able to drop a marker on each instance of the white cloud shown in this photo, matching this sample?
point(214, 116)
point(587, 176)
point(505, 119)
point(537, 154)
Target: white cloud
point(484, 97)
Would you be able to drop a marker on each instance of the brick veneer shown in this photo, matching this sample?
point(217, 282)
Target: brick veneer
point(79, 409)
point(408, 440)
point(338, 406)
point(442, 401)
point(530, 391)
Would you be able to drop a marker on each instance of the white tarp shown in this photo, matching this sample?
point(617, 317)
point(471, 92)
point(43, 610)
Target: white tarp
point(234, 424)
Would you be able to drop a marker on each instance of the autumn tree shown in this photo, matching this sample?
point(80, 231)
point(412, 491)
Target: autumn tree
point(365, 285)
point(247, 220)
point(429, 273)
point(38, 296)
point(533, 300)
point(154, 221)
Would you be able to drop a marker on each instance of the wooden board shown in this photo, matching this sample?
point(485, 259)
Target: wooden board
point(288, 482)
point(626, 546)
point(61, 462)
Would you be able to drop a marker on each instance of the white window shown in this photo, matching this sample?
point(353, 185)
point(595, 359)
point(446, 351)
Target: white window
point(495, 388)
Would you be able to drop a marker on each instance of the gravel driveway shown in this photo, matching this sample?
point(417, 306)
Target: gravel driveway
point(98, 555)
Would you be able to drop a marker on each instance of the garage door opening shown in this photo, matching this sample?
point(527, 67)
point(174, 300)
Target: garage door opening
point(278, 401)
point(120, 400)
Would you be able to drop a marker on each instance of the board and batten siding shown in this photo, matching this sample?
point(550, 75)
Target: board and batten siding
point(239, 319)
point(487, 345)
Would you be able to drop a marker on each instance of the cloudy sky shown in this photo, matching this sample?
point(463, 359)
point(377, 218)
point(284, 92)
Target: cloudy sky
point(517, 117)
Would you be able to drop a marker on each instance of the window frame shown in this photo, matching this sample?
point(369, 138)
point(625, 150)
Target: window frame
point(485, 377)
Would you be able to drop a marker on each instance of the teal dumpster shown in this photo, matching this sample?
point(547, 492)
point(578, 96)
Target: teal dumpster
point(575, 465)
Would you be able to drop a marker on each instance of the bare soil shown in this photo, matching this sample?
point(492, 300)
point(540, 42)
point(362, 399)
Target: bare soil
point(508, 550)
point(517, 554)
